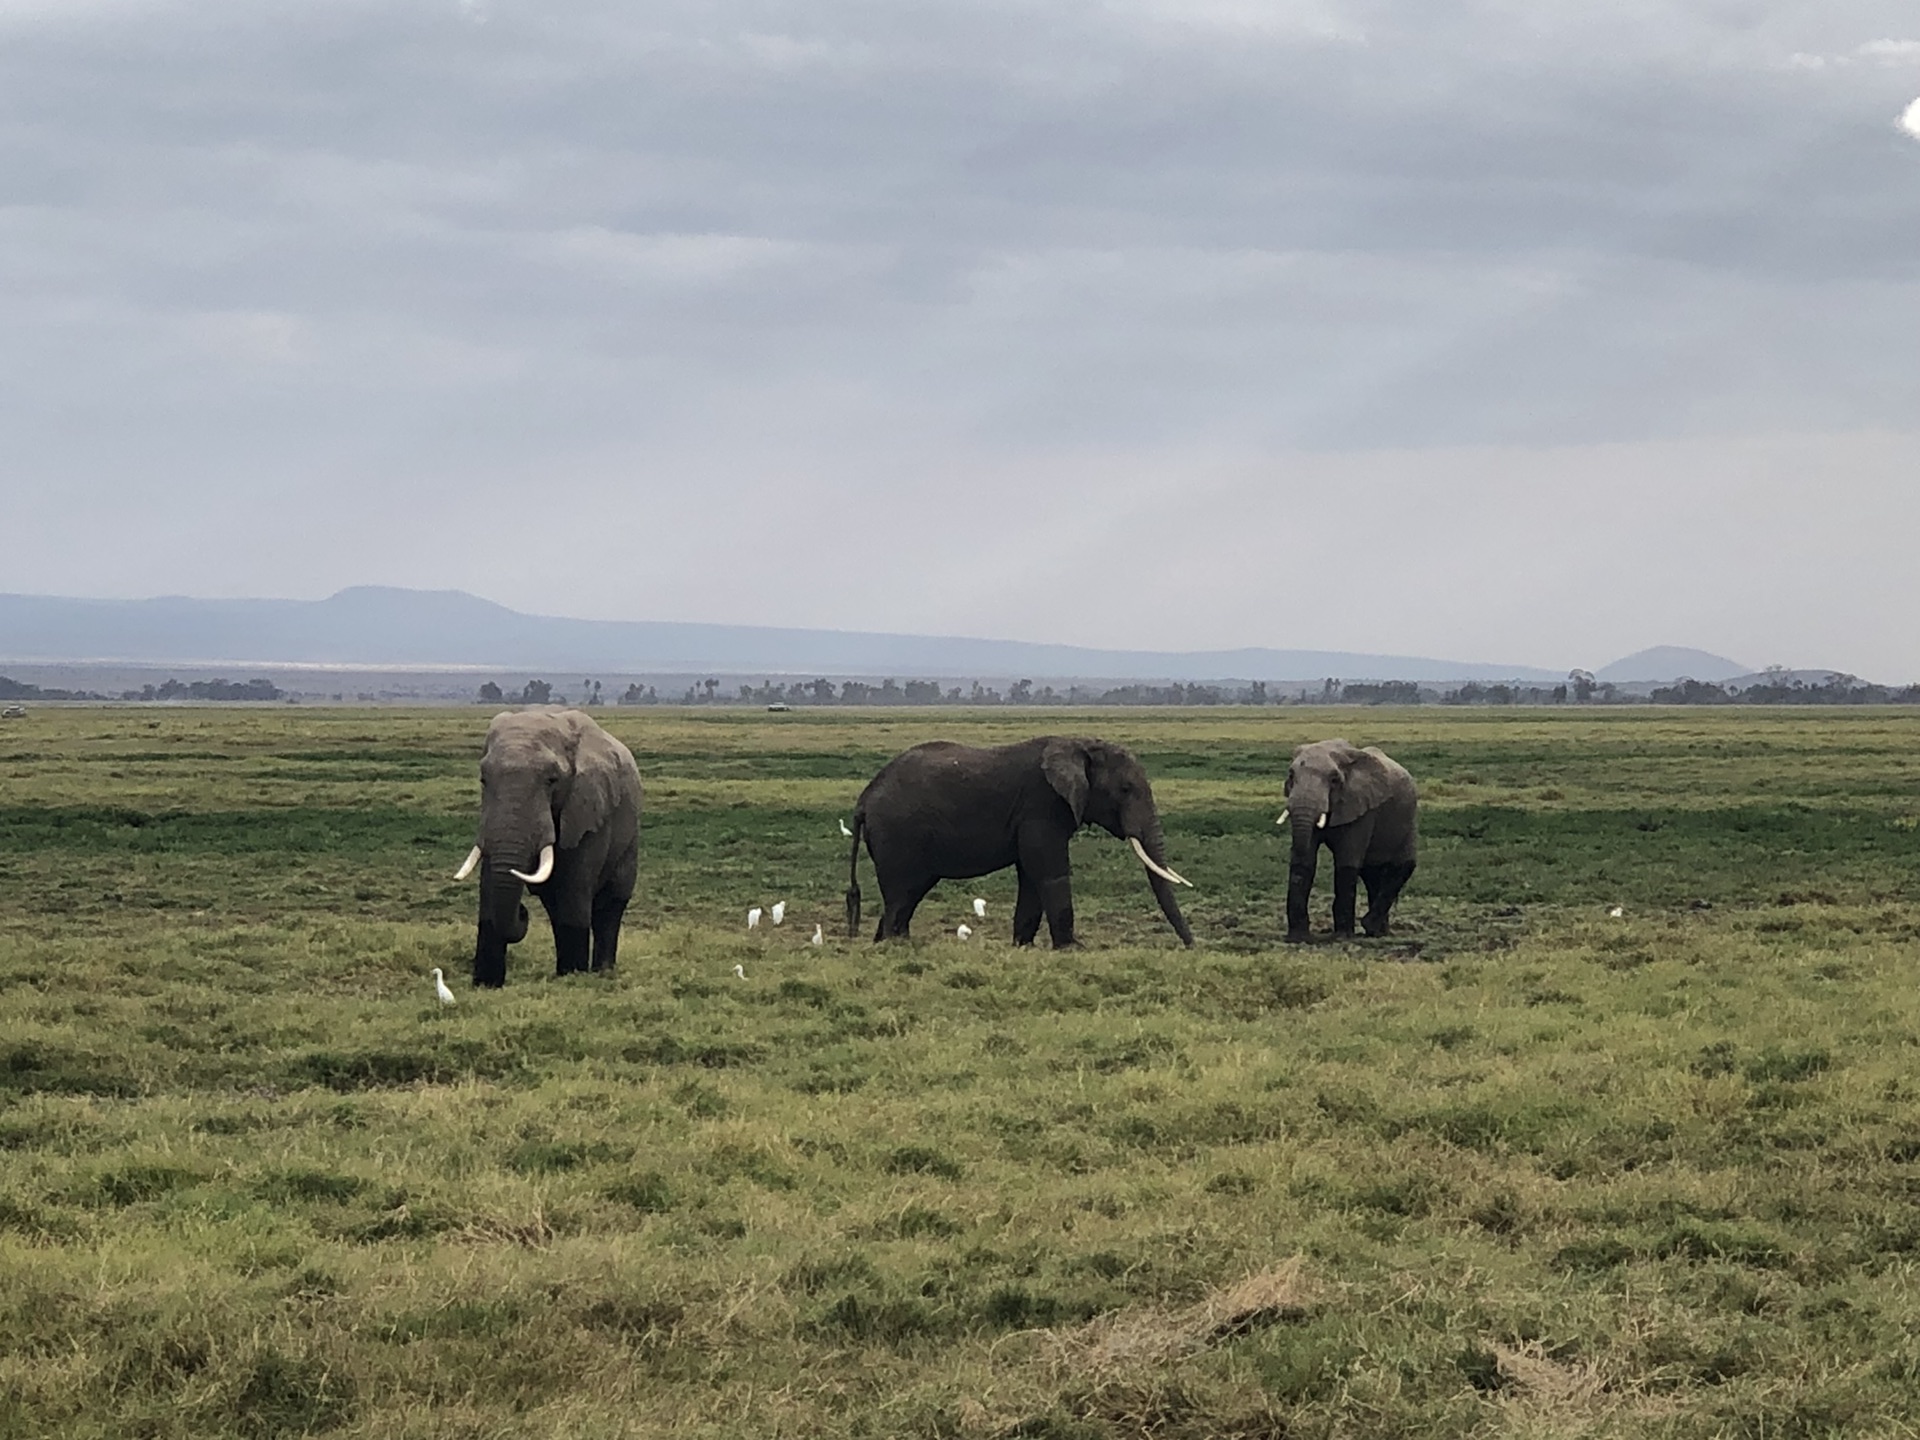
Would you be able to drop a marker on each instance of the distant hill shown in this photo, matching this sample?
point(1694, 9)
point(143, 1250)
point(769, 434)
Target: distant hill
point(1666, 663)
point(381, 626)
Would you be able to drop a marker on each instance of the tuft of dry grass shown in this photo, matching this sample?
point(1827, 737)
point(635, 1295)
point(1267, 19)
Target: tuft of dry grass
point(1535, 1379)
point(1153, 1335)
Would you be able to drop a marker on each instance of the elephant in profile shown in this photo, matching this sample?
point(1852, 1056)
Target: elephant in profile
point(943, 811)
point(1363, 807)
point(561, 797)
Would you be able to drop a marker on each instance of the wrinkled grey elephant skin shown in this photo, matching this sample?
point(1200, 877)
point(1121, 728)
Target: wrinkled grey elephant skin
point(943, 811)
point(553, 782)
point(1364, 808)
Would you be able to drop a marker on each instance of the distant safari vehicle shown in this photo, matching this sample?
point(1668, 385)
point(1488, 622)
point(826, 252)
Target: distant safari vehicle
point(14, 712)
point(779, 705)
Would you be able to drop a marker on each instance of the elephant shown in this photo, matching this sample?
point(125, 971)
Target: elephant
point(562, 796)
point(944, 811)
point(1364, 807)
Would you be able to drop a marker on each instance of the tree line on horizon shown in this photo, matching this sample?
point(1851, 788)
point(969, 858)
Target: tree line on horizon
point(1775, 687)
point(169, 689)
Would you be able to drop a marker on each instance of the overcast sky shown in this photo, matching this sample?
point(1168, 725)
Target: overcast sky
point(1535, 331)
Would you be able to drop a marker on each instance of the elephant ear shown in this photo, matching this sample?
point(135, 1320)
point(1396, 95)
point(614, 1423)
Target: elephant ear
point(1366, 782)
point(598, 760)
point(1064, 763)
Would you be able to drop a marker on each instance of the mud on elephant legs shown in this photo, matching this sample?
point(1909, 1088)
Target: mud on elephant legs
point(1027, 911)
point(1384, 884)
point(1048, 899)
point(572, 945)
point(1056, 898)
point(1299, 890)
point(606, 932)
point(898, 902)
point(1346, 888)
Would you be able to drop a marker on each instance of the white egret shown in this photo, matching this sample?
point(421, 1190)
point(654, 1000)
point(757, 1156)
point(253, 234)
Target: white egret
point(740, 971)
point(979, 908)
point(779, 911)
point(1617, 911)
point(819, 938)
point(965, 932)
point(440, 987)
point(753, 918)
point(844, 831)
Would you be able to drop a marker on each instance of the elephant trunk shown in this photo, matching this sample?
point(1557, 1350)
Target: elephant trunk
point(1153, 847)
point(503, 921)
point(1306, 814)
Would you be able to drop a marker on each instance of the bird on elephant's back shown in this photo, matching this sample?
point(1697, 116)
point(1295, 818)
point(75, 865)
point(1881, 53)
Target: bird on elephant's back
point(1364, 807)
point(560, 818)
point(945, 811)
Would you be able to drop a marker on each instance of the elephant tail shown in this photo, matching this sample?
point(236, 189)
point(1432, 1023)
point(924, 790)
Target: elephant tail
point(853, 876)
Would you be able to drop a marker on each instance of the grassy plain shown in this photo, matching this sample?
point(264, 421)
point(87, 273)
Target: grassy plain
point(1522, 1169)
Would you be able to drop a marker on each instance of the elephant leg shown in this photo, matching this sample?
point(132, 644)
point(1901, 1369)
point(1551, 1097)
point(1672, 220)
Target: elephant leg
point(606, 932)
point(1383, 888)
point(898, 905)
point(1045, 868)
point(572, 948)
point(1374, 879)
point(1299, 890)
point(1027, 911)
point(1056, 898)
point(1346, 888)
point(569, 905)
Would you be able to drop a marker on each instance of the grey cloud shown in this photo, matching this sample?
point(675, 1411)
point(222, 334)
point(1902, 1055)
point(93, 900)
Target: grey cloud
point(827, 262)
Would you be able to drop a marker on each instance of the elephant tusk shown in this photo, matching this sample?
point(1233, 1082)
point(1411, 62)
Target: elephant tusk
point(540, 876)
point(466, 866)
point(1322, 822)
point(1283, 818)
point(1160, 870)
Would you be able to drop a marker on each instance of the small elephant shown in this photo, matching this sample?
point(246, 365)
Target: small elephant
point(1362, 806)
point(943, 811)
point(562, 797)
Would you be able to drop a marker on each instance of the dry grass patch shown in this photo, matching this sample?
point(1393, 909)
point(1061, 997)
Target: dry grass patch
point(1540, 1393)
point(1154, 1335)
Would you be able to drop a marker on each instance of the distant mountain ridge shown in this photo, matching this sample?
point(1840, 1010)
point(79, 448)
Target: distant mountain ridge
point(1664, 664)
point(385, 626)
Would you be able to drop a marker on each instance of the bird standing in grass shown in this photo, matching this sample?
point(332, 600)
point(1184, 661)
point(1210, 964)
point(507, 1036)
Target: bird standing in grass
point(779, 911)
point(1617, 911)
point(753, 918)
point(740, 972)
point(819, 938)
point(845, 833)
point(440, 988)
point(979, 908)
point(965, 932)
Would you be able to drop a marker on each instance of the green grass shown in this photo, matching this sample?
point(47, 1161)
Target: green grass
point(1521, 1169)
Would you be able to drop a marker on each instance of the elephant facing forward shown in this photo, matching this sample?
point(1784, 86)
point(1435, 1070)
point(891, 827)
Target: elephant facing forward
point(1364, 808)
point(943, 811)
point(560, 815)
